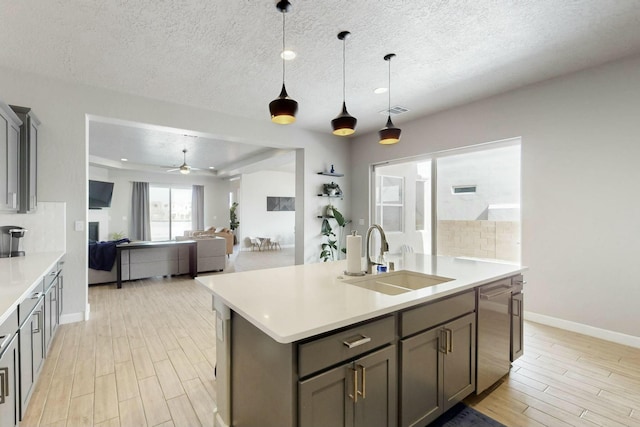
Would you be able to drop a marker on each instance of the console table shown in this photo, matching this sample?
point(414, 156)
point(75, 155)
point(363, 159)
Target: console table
point(190, 244)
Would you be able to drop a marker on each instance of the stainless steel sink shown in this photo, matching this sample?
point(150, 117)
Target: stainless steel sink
point(397, 282)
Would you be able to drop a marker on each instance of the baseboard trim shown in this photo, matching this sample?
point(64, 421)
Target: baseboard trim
point(581, 328)
point(72, 318)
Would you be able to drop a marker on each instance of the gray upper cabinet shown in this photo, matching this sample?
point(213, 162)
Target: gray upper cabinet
point(28, 159)
point(9, 158)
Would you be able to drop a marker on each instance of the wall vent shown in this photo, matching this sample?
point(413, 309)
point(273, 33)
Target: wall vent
point(394, 111)
point(463, 189)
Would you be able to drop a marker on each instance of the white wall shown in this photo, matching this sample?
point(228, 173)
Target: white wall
point(62, 152)
point(118, 216)
point(45, 227)
point(255, 221)
point(580, 152)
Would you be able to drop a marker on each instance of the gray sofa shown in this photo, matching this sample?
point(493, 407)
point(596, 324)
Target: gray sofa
point(140, 264)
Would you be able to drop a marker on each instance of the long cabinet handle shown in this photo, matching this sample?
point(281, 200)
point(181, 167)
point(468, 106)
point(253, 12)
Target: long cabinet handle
point(39, 328)
point(357, 342)
point(354, 396)
point(496, 292)
point(4, 384)
point(363, 393)
point(449, 335)
point(442, 341)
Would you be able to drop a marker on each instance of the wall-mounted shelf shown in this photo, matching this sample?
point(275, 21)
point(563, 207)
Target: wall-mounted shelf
point(337, 196)
point(331, 174)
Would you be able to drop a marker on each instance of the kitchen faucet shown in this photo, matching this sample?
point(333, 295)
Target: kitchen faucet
point(384, 246)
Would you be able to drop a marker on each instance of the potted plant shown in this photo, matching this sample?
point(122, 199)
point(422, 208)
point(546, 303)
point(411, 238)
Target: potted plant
point(233, 220)
point(332, 248)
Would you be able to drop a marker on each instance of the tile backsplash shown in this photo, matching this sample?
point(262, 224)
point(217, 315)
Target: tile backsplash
point(45, 227)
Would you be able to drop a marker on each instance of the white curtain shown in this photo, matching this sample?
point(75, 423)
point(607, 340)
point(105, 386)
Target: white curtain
point(140, 216)
point(197, 207)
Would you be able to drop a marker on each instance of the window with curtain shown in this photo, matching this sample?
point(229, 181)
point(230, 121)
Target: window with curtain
point(170, 210)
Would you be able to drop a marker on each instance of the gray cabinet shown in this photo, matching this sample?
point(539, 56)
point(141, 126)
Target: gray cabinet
point(52, 304)
point(359, 393)
point(31, 345)
point(28, 159)
point(9, 158)
point(438, 365)
point(517, 325)
point(9, 372)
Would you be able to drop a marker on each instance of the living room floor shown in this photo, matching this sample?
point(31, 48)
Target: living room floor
point(146, 358)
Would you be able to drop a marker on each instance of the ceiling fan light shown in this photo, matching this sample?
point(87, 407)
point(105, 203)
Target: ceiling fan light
point(185, 170)
point(389, 134)
point(344, 124)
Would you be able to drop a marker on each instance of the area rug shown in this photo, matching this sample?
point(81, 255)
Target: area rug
point(462, 415)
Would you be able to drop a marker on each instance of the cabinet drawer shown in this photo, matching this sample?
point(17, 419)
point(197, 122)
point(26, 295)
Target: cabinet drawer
point(26, 307)
point(9, 326)
point(50, 277)
point(344, 345)
point(427, 316)
point(153, 254)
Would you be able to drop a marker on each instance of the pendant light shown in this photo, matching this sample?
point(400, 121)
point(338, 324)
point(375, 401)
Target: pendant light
point(344, 124)
point(283, 109)
point(389, 134)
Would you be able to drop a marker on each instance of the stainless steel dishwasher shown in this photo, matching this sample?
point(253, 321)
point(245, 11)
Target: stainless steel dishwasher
point(494, 333)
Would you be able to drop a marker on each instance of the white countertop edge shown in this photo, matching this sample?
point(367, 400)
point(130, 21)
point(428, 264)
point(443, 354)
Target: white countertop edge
point(457, 287)
point(37, 280)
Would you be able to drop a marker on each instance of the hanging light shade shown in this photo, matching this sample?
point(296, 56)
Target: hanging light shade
point(283, 109)
point(389, 134)
point(344, 124)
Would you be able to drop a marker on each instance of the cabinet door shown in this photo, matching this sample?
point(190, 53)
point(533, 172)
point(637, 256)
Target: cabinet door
point(459, 359)
point(517, 326)
point(421, 379)
point(8, 383)
point(33, 165)
point(13, 160)
point(4, 162)
point(377, 403)
point(31, 354)
point(327, 399)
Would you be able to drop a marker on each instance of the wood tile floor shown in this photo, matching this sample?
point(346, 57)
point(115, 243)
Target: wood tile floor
point(567, 379)
point(146, 358)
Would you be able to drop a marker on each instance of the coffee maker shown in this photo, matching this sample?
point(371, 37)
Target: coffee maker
point(10, 236)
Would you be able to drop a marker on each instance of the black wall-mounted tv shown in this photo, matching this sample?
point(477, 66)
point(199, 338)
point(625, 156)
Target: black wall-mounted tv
point(100, 193)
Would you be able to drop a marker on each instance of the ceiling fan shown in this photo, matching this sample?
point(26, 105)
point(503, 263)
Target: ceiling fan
point(184, 168)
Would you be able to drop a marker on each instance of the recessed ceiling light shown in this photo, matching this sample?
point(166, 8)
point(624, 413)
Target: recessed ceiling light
point(124, 160)
point(211, 167)
point(288, 55)
point(380, 90)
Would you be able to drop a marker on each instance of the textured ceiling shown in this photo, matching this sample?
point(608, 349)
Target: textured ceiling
point(224, 55)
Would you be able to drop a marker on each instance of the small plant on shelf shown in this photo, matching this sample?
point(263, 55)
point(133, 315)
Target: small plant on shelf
point(332, 248)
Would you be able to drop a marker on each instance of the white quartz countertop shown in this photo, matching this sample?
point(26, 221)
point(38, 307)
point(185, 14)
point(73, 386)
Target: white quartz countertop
point(298, 302)
point(20, 275)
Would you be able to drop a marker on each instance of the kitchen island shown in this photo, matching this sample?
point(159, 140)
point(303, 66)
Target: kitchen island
point(277, 329)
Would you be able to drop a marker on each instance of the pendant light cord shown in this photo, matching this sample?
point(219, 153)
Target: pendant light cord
point(344, 72)
point(389, 104)
point(283, 32)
